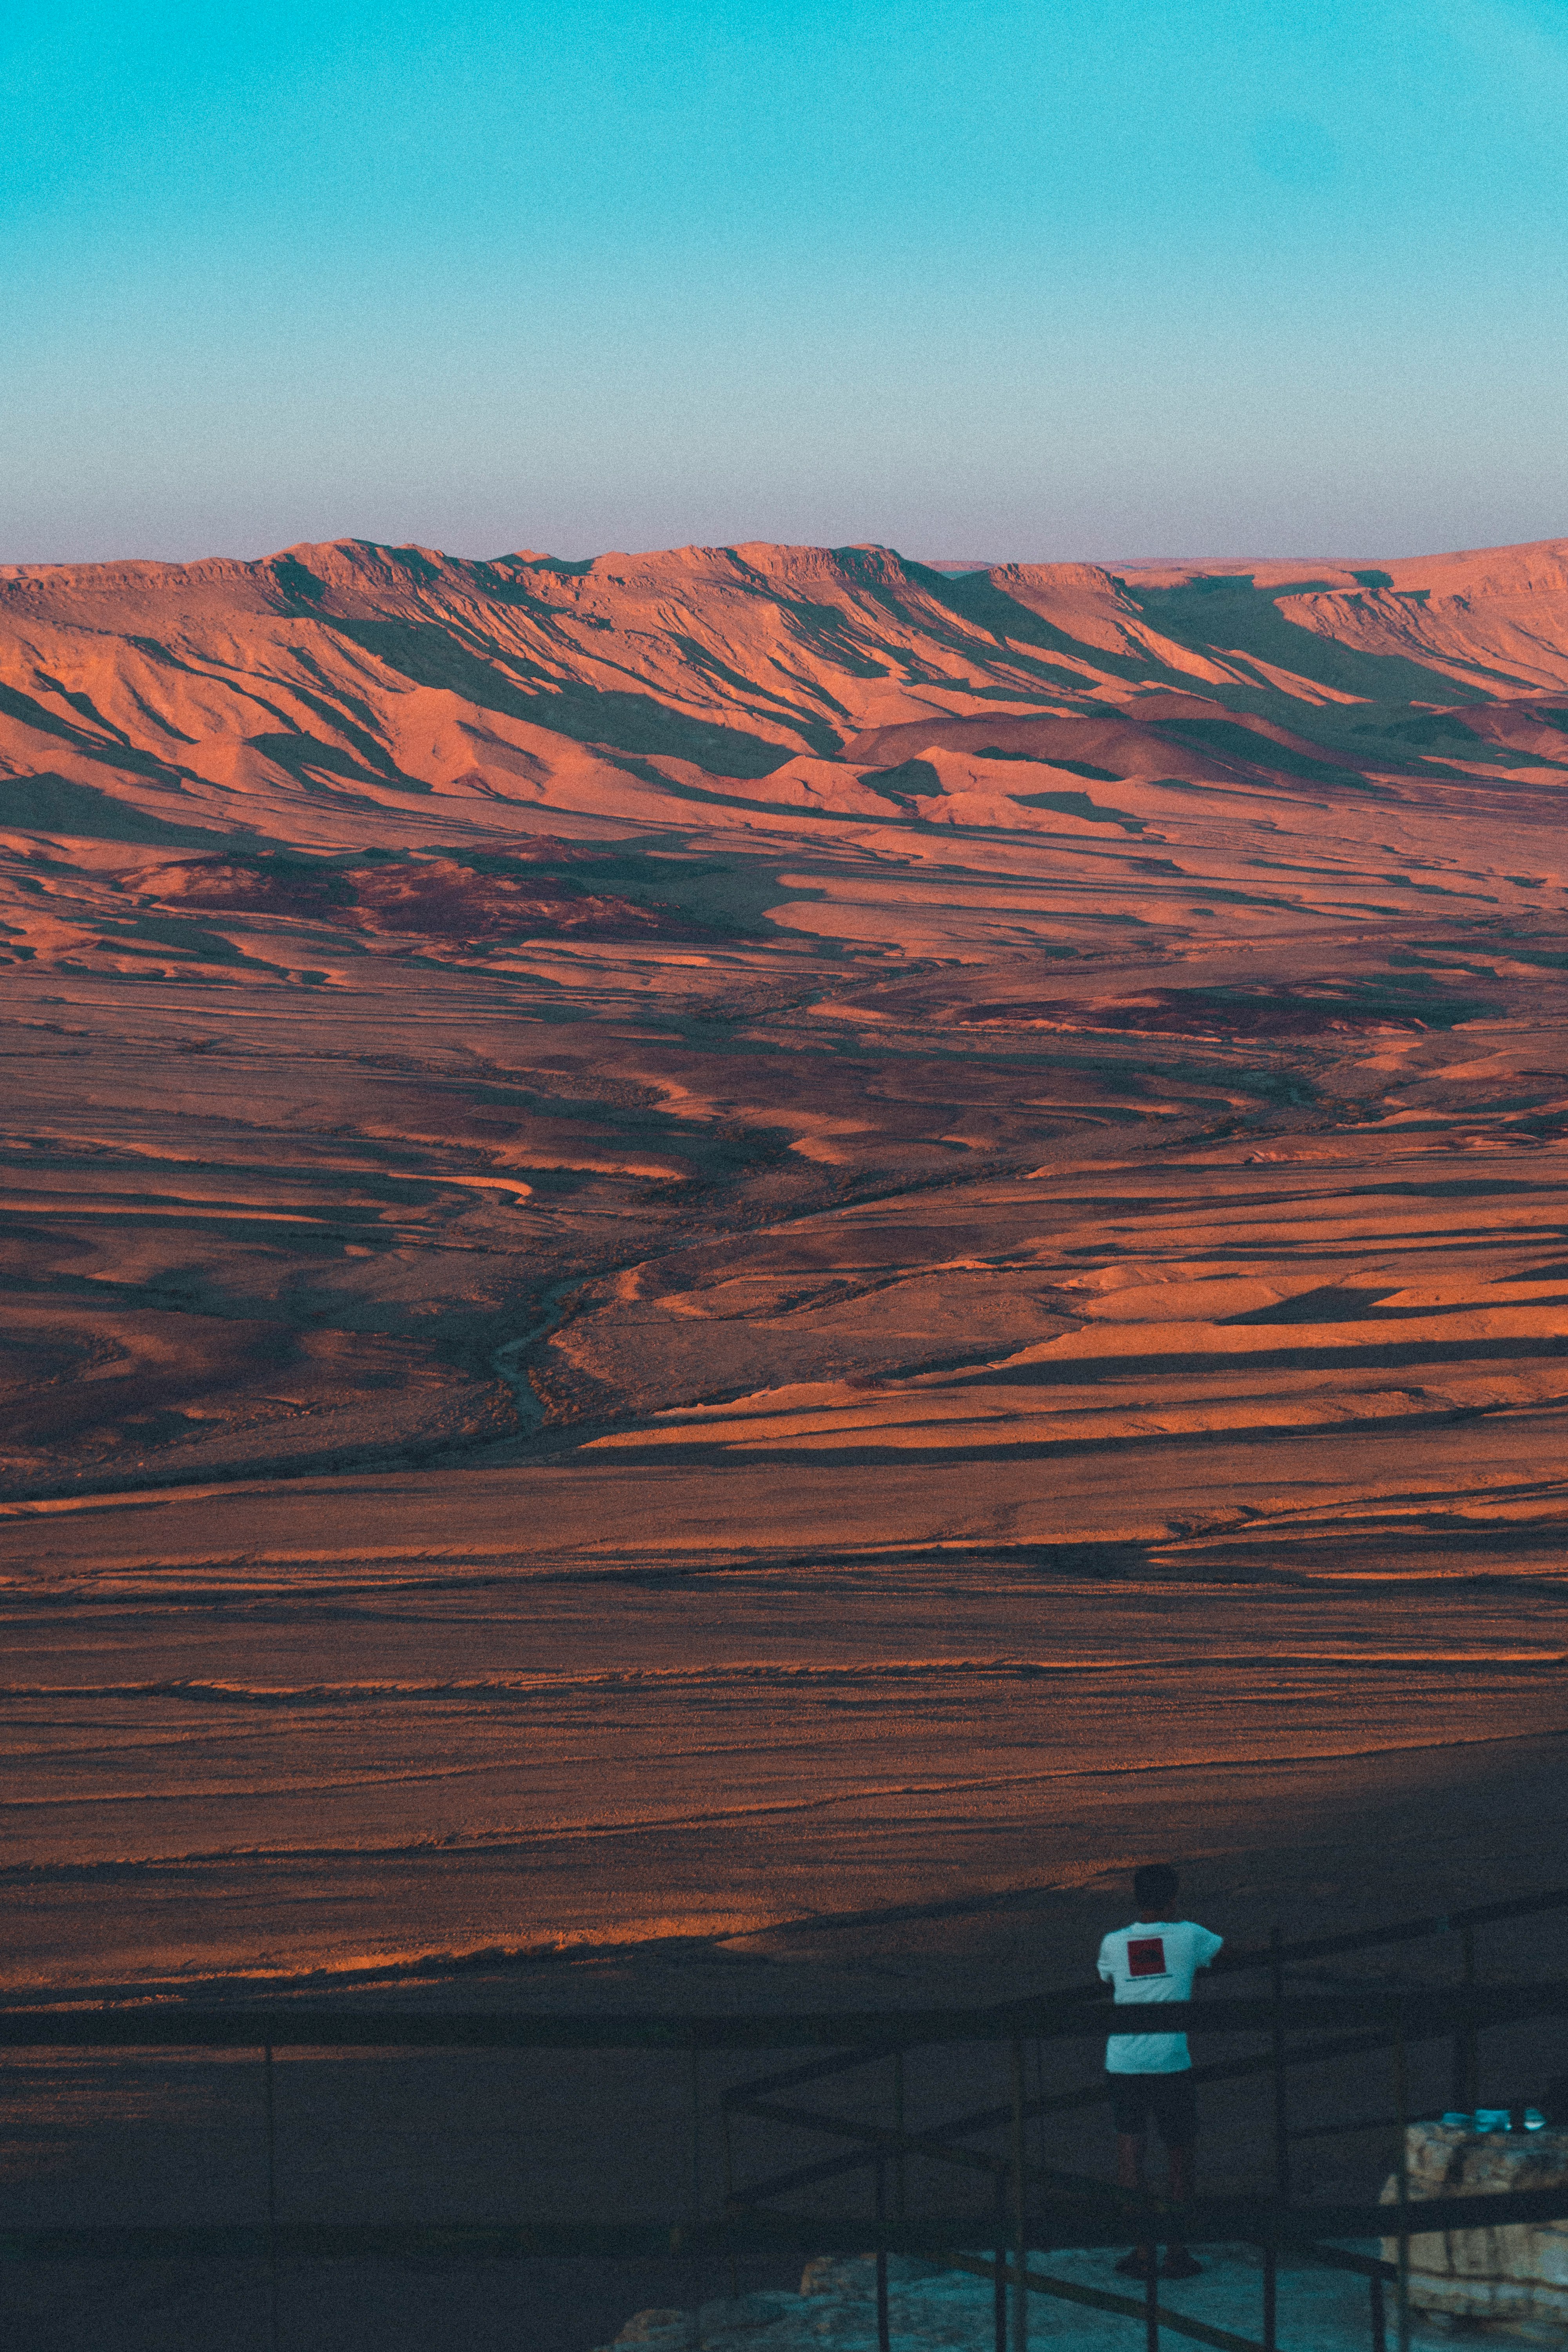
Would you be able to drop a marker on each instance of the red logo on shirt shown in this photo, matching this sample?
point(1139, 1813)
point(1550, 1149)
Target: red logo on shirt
point(1146, 1955)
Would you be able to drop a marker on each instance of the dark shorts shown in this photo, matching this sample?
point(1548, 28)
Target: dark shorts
point(1169, 2098)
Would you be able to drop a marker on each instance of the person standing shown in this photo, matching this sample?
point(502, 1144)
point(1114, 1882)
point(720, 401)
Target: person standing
point(1149, 2074)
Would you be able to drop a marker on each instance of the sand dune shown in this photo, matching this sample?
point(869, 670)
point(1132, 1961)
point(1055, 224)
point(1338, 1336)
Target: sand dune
point(725, 1235)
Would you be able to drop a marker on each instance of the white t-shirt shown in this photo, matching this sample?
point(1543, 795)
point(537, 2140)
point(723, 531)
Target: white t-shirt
point(1153, 1960)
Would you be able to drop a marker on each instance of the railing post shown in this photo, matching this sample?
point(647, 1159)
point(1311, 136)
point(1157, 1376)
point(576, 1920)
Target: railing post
point(999, 2298)
point(1276, 2036)
point(1020, 2207)
point(1039, 2107)
point(1402, 2179)
point(1470, 2078)
point(1379, 2314)
point(1270, 2296)
point(271, 2197)
point(1456, 2068)
point(727, 2129)
point(900, 2205)
point(884, 2336)
point(696, 2194)
point(1042, 2209)
point(1281, 2142)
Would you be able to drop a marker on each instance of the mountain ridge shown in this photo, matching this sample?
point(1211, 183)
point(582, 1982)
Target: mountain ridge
point(348, 668)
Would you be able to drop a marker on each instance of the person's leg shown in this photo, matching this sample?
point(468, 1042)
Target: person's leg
point(1179, 2262)
point(1129, 2114)
point(1178, 2126)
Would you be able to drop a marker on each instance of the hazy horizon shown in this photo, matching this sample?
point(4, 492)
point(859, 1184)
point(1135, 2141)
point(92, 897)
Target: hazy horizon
point(1167, 559)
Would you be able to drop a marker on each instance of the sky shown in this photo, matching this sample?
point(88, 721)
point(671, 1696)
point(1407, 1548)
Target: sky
point(1003, 279)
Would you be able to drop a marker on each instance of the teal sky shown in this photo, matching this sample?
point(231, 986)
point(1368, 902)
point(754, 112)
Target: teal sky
point(1074, 277)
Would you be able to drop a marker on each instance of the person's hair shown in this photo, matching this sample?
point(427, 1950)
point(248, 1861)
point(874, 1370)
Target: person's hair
point(1153, 1887)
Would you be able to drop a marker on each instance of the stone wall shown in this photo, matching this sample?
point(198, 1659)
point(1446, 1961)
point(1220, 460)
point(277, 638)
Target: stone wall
point(1516, 2273)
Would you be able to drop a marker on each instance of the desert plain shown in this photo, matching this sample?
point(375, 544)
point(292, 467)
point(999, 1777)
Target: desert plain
point(738, 1266)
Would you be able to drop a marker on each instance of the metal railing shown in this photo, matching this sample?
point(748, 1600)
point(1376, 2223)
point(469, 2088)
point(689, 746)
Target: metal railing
point(1389, 2020)
point(1032, 2206)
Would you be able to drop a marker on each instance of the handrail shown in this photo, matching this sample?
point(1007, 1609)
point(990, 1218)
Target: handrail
point(1205, 2219)
point(1230, 1962)
point(161, 2026)
point(1398, 1931)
